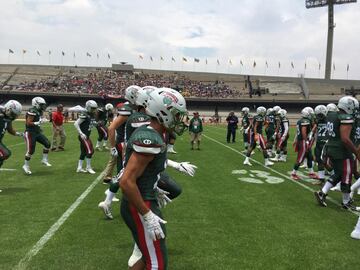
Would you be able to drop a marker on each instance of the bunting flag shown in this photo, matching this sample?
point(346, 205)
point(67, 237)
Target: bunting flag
point(63, 53)
point(267, 65)
point(206, 61)
point(241, 63)
point(173, 59)
point(334, 66)
point(348, 67)
point(38, 53)
point(97, 55)
point(254, 65)
point(151, 59)
point(230, 62)
point(218, 62)
point(161, 58)
point(49, 52)
point(11, 51)
point(292, 65)
point(197, 60)
point(141, 57)
point(305, 65)
point(74, 55)
point(184, 59)
point(319, 66)
point(279, 65)
point(24, 51)
point(88, 54)
point(108, 55)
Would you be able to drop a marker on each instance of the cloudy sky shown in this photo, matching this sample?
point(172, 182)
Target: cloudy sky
point(248, 30)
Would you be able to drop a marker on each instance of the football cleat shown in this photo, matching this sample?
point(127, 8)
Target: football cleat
point(247, 162)
point(26, 169)
point(45, 162)
point(282, 159)
point(321, 198)
point(313, 175)
point(80, 170)
point(275, 159)
point(107, 180)
point(106, 209)
point(355, 234)
point(303, 166)
point(172, 151)
point(90, 170)
point(268, 162)
point(135, 256)
point(294, 176)
point(115, 199)
point(98, 148)
point(349, 206)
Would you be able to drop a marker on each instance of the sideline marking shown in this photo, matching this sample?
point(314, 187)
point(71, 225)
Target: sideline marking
point(279, 173)
point(53, 229)
point(5, 169)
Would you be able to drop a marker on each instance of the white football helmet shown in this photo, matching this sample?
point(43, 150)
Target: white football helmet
point(331, 107)
point(348, 104)
point(12, 109)
point(109, 107)
point(282, 113)
point(269, 111)
point(143, 95)
point(320, 111)
point(39, 103)
point(91, 106)
point(245, 110)
point(169, 107)
point(305, 113)
point(276, 109)
point(131, 93)
point(261, 110)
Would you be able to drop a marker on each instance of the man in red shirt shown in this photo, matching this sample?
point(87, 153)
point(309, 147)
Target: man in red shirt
point(58, 129)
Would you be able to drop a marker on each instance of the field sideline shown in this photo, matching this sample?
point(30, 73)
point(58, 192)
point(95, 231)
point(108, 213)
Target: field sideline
point(228, 216)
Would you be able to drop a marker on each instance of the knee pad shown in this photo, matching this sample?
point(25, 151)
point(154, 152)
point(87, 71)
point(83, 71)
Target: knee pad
point(345, 187)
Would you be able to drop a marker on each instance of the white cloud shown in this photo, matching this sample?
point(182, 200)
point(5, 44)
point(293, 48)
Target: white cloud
point(246, 30)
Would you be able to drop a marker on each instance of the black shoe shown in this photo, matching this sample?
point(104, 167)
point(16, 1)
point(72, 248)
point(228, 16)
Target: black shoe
point(107, 180)
point(321, 198)
point(349, 205)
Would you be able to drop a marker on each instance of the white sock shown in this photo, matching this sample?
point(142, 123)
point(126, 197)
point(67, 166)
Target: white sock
point(326, 187)
point(88, 162)
point(45, 156)
point(277, 156)
point(98, 143)
point(104, 143)
point(311, 170)
point(356, 185)
point(321, 174)
point(109, 196)
point(80, 163)
point(293, 171)
point(27, 163)
point(247, 159)
point(346, 198)
point(305, 162)
point(357, 227)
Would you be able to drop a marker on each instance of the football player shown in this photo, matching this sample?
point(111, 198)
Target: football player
point(321, 138)
point(302, 142)
point(283, 134)
point(245, 127)
point(83, 125)
point(145, 158)
point(256, 136)
point(270, 130)
point(355, 136)
point(171, 138)
point(102, 118)
point(34, 134)
point(8, 113)
point(340, 150)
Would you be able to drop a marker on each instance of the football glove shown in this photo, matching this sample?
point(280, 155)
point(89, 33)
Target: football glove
point(153, 227)
point(247, 130)
point(83, 136)
point(162, 198)
point(114, 152)
point(184, 167)
point(310, 136)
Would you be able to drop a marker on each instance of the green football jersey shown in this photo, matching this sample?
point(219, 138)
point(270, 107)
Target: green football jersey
point(270, 119)
point(336, 148)
point(136, 120)
point(195, 125)
point(321, 131)
point(355, 132)
point(245, 121)
point(87, 123)
point(37, 115)
point(301, 123)
point(124, 110)
point(5, 124)
point(102, 117)
point(146, 140)
point(260, 120)
point(283, 122)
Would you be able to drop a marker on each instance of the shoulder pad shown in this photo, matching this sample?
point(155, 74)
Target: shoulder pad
point(83, 115)
point(346, 119)
point(147, 141)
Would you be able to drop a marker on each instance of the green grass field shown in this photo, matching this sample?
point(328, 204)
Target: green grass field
point(219, 221)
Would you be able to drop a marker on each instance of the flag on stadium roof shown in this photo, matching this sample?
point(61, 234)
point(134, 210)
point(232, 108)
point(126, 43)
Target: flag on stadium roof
point(305, 64)
point(319, 66)
point(348, 67)
point(63, 53)
point(241, 63)
point(230, 62)
point(88, 54)
point(38, 53)
point(49, 52)
point(292, 65)
point(161, 58)
point(254, 65)
point(197, 60)
point(334, 66)
point(141, 57)
point(74, 55)
point(24, 51)
point(97, 55)
point(151, 59)
point(218, 62)
point(173, 59)
point(108, 55)
point(266, 63)
point(206, 61)
point(184, 59)
point(279, 65)
point(11, 51)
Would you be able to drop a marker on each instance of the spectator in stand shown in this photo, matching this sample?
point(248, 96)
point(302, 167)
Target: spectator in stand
point(58, 129)
point(195, 129)
point(232, 121)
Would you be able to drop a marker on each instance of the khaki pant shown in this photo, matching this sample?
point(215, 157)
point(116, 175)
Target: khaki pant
point(195, 137)
point(110, 167)
point(58, 131)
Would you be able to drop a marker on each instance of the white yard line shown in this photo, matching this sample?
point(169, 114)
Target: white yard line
point(5, 169)
point(23, 263)
point(277, 172)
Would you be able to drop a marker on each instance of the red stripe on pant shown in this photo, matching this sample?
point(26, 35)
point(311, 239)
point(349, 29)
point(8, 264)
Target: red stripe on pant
point(347, 171)
point(302, 151)
point(88, 146)
point(28, 142)
point(142, 241)
point(1, 153)
point(262, 142)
